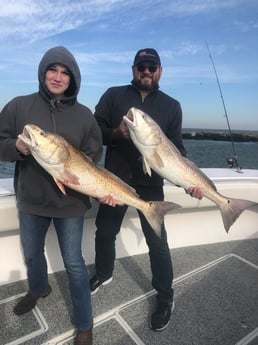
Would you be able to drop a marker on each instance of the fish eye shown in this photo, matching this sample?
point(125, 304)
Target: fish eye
point(42, 133)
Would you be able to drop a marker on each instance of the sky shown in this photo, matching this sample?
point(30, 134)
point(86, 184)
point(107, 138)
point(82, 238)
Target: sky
point(104, 36)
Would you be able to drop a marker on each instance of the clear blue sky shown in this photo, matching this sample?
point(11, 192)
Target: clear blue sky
point(104, 36)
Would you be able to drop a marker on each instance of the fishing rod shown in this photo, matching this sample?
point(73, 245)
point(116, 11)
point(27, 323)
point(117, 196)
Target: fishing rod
point(231, 161)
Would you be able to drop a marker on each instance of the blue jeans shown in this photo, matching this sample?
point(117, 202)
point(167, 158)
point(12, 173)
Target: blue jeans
point(108, 222)
point(33, 229)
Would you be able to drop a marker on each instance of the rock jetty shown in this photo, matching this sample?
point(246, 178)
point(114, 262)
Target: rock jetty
point(220, 136)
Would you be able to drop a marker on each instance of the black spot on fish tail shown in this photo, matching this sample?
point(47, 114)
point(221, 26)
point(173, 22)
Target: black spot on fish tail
point(232, 210)
point(156, 212)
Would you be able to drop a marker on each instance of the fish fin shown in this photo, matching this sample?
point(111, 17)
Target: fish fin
point(67, 179)
point(232, 210)
point(204, 176)
point(158, 160)
point(70, 178)
point(60, 186)
point(146, 167)
point(156, 212)
point(188, 161)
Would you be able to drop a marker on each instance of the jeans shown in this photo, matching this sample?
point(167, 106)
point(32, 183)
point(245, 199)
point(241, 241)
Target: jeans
point(108, 223)
point(33, 229)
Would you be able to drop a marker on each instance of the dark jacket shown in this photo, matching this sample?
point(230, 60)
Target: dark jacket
point(36, 191)
point(122, 158)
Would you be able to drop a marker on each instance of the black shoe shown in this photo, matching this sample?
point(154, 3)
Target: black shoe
point(83, 337)
point(95, 283)
point(161, 317)
point(28, 302)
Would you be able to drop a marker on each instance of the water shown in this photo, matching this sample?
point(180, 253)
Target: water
point(214, 154)
point(205, 154)
point(6, 169)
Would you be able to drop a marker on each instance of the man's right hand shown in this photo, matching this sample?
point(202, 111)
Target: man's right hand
point(121, 132)
point(22, 148)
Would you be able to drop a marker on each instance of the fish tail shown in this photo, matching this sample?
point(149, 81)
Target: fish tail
point(156, 212)
point(232, 210)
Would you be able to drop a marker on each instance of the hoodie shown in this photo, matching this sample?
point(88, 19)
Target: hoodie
point(36, 192)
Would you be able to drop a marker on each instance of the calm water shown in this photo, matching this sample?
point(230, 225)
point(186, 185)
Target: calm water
point(205, 154)
point(214, 154)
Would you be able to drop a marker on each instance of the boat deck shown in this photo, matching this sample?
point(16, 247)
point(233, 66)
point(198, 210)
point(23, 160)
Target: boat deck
point(216, 302)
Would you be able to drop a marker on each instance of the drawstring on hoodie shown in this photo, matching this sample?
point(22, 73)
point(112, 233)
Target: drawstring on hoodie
point(53, 106)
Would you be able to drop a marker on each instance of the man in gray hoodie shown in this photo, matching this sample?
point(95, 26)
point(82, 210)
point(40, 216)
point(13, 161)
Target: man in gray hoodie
point(54, 108)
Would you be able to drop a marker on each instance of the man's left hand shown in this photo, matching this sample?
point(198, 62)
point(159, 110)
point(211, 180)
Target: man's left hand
point(108, 200)
point(195, 192)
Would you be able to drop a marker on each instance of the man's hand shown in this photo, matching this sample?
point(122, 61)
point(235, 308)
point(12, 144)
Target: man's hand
point(21, 147)
point(108, 200)
point(195, 192)
point(121, 131)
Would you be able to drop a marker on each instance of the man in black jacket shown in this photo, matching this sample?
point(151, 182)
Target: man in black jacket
point(123, 159)
point(54, 108)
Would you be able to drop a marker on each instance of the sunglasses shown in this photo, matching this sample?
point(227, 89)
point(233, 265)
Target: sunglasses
point(141, 68)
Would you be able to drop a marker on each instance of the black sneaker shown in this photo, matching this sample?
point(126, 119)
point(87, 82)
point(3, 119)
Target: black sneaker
point(161, 317)
point(95, 283)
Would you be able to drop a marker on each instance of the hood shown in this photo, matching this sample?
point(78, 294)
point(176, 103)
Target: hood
point(59, 55)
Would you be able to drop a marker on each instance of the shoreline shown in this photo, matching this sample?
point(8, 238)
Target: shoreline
point(219, 136)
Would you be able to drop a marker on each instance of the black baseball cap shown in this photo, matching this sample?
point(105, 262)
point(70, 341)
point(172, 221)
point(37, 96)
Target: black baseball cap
point(147, 54)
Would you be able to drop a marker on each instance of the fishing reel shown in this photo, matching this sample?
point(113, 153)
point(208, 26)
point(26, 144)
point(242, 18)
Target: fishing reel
point(233, 162)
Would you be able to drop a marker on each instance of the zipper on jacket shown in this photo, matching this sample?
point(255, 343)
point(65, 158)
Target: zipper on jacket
point(53, 106)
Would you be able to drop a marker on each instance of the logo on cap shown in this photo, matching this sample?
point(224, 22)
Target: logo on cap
point(144, 53)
